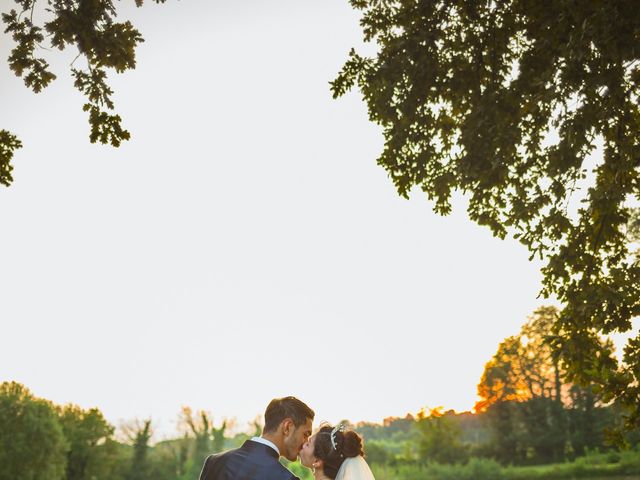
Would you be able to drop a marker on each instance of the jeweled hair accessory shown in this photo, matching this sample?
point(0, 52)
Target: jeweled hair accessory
point(336, 429)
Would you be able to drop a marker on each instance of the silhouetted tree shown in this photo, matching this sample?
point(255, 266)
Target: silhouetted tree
point(140, 463)
point(530, 406)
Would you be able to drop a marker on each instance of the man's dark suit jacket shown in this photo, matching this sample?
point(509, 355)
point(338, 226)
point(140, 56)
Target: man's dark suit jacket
point(252, 461)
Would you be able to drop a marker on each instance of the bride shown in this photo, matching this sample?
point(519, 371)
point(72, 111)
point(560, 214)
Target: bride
point(335, 453)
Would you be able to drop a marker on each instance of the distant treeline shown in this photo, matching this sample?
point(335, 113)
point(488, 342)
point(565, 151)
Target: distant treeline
point(529, 413)
point(511, 433)
point(39, 439)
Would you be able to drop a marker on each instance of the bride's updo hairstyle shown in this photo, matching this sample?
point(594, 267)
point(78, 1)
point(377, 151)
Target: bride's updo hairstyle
point(346, 444)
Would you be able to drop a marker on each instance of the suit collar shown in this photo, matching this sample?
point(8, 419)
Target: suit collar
point(266, 442)
point(260, 447)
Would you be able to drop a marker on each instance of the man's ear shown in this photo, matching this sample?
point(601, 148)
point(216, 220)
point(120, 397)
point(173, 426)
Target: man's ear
point(288, 426)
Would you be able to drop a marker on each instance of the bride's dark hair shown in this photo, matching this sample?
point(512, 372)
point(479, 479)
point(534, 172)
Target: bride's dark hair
point(347, 444)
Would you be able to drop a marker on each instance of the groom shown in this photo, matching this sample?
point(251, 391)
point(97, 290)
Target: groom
point(287, 426)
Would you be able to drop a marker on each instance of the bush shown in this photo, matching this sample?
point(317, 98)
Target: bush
point(482, 468)
point(630, 462)
point(613, 457)
point(376, 453)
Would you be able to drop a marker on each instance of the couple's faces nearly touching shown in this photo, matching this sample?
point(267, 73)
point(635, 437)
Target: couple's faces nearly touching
point(306, 454)
point(295, 438)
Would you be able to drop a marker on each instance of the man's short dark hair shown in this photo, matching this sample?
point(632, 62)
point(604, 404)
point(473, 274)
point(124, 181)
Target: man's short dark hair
point(287, 407)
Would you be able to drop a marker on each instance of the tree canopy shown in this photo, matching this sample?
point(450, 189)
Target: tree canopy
point(439, 438)
point(101, 42)
point(529, 405)
point(32, 443)
point(39, 439)
point(505, 102)
point(525, 366)
point(90, 444)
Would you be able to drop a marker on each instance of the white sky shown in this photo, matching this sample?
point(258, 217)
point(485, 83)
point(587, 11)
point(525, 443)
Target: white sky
point(244, 244)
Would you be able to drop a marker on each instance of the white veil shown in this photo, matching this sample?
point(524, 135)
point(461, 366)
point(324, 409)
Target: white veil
point(355, 468)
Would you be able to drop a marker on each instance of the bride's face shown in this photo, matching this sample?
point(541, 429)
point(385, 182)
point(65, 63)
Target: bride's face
point(306, 454)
